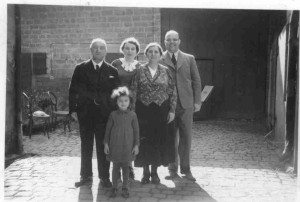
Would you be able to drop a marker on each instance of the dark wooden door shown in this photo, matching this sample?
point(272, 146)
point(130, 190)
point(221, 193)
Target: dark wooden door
point(231, 50)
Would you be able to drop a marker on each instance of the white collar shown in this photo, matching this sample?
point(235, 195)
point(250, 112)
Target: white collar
point(128, 66)
point(152, 71)
point(99, 64)
point(176, 54)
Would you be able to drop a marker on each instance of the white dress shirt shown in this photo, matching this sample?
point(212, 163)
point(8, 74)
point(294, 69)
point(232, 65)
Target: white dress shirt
point(176, 54)
point(99, 64)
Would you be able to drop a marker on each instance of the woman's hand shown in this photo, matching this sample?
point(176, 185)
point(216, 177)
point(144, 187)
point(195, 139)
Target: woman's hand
point(171, 117)
point(106, 149)
point(135, 150)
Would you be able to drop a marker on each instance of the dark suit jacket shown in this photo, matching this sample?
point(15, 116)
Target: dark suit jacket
point(88, 85)
point(187, 78)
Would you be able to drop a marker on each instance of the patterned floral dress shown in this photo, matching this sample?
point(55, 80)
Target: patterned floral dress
point(154, 98)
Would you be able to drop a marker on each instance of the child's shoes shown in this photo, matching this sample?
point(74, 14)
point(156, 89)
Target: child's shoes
point(145, 178)
point(125, 192)
point(113, 193)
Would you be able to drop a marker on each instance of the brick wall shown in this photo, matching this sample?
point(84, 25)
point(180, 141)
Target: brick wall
point(65, 32)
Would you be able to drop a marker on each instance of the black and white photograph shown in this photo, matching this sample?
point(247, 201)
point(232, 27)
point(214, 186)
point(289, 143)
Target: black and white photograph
point(150, 101)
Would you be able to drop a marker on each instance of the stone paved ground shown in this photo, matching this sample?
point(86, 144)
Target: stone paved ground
point(231, 161)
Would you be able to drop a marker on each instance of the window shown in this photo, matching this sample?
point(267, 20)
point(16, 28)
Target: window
point(34, 62)
point(112, 56)
point(39, 63)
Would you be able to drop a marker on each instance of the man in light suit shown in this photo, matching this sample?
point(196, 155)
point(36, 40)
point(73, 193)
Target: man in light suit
point(89, 101)
point(188, 84)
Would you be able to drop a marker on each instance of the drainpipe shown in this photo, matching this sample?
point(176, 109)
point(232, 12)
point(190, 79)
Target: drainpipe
point(297, 140)
point(18, 80)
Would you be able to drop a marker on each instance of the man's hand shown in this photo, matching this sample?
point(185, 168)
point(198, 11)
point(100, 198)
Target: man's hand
point(197, 107)
point(171, 117)
point(74, 116)
point(135, 150)
point(106, 149)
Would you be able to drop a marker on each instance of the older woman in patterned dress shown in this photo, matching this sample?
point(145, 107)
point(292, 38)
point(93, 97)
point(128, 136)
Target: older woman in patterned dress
point(154, 93)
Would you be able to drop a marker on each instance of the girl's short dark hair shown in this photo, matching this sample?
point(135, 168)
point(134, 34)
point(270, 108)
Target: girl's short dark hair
point(133, 41)
point(151, 45)
point(120, 91)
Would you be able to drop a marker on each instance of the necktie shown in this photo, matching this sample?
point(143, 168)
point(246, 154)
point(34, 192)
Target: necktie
point(173, 59)
point(97, 67)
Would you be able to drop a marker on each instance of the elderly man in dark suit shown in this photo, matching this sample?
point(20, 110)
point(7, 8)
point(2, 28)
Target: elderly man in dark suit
point(188, 85)
point(89, 102)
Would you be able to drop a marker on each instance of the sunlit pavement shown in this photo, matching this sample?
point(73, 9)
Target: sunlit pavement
point(231, 161)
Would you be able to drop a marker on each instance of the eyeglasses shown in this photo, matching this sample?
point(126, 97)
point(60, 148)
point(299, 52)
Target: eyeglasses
point(171, 40)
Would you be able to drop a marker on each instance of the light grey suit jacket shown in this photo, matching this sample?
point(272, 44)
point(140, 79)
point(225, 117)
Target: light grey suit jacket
point(187, 78)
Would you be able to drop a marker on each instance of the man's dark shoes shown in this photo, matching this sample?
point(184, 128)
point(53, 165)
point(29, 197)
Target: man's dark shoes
point(125, 192)
point(145, 178)
point(113, 193)
point(106, 183)
point(84, 181)
point(172, 175)
point(154, 178)
point(189, 176)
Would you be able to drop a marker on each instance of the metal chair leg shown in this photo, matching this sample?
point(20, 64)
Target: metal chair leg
point(64, 126)
point(30, 128)
point(48, 127)
point(55, 122)
point(69, 126)
point(45, 126)
point(69, 122)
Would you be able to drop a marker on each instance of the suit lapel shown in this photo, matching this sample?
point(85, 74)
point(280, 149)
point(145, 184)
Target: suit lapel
point(91, 72)
point(167, 59)
point(90, 68)
point(104, 65)
point(89, 65)
point(180, 60)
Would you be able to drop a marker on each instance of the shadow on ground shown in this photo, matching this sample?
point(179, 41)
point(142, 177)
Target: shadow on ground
point(176, 190)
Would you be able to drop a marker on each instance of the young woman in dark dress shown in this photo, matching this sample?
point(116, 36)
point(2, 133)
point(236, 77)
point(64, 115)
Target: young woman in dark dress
point(126, 67)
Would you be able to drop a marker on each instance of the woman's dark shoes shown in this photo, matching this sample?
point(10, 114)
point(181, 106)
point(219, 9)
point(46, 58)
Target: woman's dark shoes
point(125, 192)
point(145, 178)
point(154, 178)
point(106, 183)
point(113, 193)
point(172, 175)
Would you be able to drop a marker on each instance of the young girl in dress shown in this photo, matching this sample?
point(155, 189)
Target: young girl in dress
point(121, 141)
